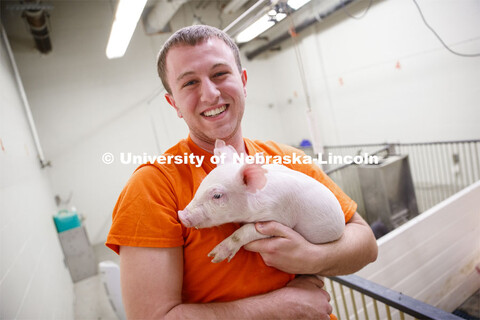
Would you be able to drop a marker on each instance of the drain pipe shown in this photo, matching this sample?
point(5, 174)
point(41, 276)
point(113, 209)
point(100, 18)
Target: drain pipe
point(28, 112)
point(37, 21)
point(302, 26)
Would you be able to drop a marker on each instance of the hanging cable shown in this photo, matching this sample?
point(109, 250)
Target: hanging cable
point(440, 39)
point(356, 17)
point(298, 55)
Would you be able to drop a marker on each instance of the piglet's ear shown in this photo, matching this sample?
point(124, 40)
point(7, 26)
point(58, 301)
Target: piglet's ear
point(224, 152)
point(254, 177)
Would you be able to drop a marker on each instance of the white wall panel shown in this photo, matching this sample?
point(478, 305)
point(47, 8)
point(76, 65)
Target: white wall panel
point(34, 283)
point(434, 257)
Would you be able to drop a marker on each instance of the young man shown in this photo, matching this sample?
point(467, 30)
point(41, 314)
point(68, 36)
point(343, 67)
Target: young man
point(165, 271)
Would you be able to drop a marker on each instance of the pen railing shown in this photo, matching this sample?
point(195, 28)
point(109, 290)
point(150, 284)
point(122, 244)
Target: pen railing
point(356, 298)
point(439, 169)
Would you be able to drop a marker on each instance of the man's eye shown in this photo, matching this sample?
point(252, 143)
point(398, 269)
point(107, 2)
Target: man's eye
point(189, 83)
point(219, 74)
point(217, 196)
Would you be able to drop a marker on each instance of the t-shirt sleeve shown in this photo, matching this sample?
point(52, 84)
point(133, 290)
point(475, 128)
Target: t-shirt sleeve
point(313, 170)
point(146, 213)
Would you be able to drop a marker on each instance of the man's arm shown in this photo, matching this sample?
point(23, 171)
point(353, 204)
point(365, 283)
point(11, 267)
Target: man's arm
point(152, 284)
point(290, 252)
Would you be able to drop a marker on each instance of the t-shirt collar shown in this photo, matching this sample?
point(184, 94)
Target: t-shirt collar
point(249, 147)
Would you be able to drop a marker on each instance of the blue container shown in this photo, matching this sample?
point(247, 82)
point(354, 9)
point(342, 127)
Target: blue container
point(305, 143)
point(66, 220)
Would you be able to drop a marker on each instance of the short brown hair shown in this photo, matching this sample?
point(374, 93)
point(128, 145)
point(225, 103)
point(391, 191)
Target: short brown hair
point(192, 36)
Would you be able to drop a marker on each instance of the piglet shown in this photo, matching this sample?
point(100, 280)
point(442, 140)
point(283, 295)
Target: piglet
point(248, 193)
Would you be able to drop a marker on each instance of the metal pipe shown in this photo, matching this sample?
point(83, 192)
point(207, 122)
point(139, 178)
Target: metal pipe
point(302, 26)
point(37, 21)
point(28, 112)
point(243, 15)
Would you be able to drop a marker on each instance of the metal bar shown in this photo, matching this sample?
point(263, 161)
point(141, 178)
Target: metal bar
point(449, 168)
point(43, 162)
point(401, 144)
point(375, 306)
point(354, 304)
point(364, 306)
point(439, 142)
point(463, 165)
point(243, 15)
point(440, 192)
point(394, 299)
point(334, 297)
point(387, 309)
point(421, 176)
point(472, 161)
point(416, 176)
point(446, 171)
point(344, 302)
point(468, 160)
point(429, 178)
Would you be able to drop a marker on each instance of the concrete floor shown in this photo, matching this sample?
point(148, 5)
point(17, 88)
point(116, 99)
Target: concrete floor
point(91, 301)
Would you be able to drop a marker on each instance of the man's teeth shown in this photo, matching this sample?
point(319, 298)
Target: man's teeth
point(214, 112)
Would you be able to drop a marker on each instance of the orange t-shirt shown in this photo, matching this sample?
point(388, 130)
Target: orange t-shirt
point(146, 216)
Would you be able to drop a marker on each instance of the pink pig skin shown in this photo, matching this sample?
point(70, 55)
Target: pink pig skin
point(248, 193)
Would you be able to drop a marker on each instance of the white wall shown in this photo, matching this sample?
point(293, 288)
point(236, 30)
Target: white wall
point(34, 282)
point(433, 96)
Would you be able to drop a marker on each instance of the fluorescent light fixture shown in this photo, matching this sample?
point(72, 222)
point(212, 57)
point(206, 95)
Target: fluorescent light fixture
point(256, 28)
point(296, 4)
point(280, 16)
point(126, 19)
point(259, 27)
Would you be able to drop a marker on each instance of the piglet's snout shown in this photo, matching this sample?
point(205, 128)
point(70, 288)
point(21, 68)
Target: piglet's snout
point(194, 217)
point(184, 216)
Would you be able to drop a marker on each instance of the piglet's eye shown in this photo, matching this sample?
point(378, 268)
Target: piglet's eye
point(217, 196)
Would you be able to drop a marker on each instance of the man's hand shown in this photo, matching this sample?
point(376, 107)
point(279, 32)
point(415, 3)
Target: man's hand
point(288, 251)
point(312, 300)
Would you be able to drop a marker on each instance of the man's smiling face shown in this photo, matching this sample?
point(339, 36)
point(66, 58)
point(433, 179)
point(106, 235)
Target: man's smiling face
point(208, 91)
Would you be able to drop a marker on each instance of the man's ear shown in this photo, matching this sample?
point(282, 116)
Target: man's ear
point(244, 81)
point(171, 101)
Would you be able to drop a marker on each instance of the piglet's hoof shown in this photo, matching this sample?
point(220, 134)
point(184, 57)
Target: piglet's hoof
point(222, 252)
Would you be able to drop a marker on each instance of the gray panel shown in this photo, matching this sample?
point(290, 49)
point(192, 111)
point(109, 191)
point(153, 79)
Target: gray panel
point(79, 255)
point(388, 191)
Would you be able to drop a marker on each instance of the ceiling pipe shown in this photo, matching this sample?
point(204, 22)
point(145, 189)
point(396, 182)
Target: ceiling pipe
point(253, 8)
point(37, 22)
point(298, 28)
point(33, 129)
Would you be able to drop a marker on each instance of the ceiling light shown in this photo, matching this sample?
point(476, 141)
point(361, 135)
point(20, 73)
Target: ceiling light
point(296, 4)
point(280, 16)
point(126, 18)
point(258, 27)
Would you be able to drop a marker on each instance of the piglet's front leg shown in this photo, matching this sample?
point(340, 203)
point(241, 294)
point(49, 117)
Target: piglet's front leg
point(230, 246)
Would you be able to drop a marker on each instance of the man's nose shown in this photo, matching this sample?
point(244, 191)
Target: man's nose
point(210, 92)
